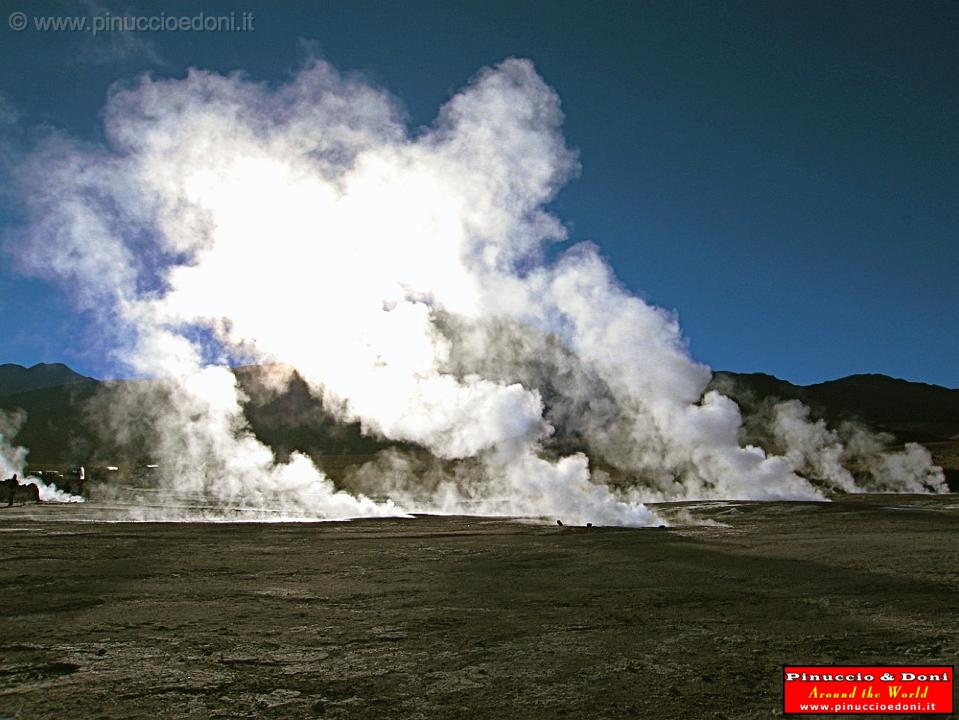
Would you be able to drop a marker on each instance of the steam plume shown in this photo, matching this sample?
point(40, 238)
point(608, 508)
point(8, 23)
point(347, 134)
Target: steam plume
point(402, 276)
point(13, 460)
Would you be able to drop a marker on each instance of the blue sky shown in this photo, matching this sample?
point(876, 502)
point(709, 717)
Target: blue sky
point(783, 175)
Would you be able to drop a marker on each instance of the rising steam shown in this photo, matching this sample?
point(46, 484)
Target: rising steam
point(13, 460)
point(402, 276)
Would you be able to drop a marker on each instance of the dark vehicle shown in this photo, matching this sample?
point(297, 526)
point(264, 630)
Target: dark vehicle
point(74, 480)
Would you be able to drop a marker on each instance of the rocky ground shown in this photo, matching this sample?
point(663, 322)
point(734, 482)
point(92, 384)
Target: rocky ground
point(466, 618)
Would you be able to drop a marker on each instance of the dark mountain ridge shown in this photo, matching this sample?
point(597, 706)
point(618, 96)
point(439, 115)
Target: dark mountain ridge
point(911, 411)
point(73, 421)
point(78, 422)
point(17, 378)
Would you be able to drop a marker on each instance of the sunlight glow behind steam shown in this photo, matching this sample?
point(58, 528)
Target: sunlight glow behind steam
point(402, 276)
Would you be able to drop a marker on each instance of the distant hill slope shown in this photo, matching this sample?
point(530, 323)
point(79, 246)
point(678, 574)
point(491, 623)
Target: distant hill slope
point(57, 427)
point(910, 411)
point(16, 378)
point(71, 423)
point(65, 421)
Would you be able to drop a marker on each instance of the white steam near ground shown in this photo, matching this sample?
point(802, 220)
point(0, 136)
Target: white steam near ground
point(402, 275)
point(49, 492)
point(13, 460)
point(829, 454)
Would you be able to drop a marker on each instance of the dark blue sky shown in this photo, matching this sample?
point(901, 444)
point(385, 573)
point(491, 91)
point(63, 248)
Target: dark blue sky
point(784, 175)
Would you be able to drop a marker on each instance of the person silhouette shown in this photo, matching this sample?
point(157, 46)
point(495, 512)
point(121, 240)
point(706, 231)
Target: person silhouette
point(12, 483)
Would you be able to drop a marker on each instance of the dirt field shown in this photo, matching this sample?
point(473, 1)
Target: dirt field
point(466, 618)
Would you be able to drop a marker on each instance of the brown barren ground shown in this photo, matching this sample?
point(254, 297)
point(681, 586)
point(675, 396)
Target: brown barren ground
point(466, 618)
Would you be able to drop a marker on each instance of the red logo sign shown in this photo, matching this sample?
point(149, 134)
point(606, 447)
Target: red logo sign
point(868, 689)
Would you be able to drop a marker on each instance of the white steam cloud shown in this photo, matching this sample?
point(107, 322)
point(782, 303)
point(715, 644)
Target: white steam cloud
point(402, 276)
point(49, 492)
point(831, 455)
point(13, 460)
